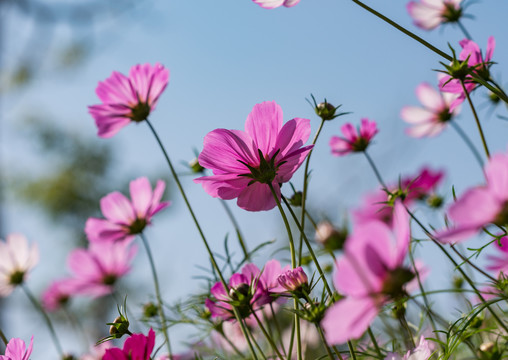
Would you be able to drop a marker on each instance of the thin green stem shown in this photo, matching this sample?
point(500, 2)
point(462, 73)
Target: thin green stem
point(277, 327)
point(267, 336)
point(374, 341)
point(304, 192)
point(325, 344)
point(351, 349)
point(309, 247)
point(374, 168)
point(464, 31)
point(254, 341)
point(401, 315)
point(49, 324)
point(237, 229)
point(202, 235)
point(160, 305)
point(468, 142)
point(480, 130)
point(467, 261)
point(4, 339)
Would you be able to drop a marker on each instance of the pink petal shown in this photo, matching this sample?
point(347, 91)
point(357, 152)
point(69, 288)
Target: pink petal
point(258, 197)
point(263, 125)
point(476, 208)
point(225, 187)
point(141, 196)
point(118, 209)
point(269, 4)
point(103, 230)
point(429, 97)
point(293, 135)
point(416, 115)
point(496, 172)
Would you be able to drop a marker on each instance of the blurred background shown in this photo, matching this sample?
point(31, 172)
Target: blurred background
point(224, 57)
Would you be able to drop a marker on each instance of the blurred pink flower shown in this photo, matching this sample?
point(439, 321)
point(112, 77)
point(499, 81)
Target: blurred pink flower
point(97, 351)
point(422, 352)
point(245, 162)
point(429, 14)
point(481, 205)
point(126, 99)
point(136, 347)
point(16, 350)
point(272, 4)
point(435, 114)
point(125, 218)
point(354, 140)
point(499, 263)
point(369, 274)
point(96, 269)
point(16, 260)
point(58, 294)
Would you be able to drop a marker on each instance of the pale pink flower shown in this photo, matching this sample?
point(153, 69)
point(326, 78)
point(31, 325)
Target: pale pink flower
point(97, 351)
point(58, 294)
point(16, 260)
point(127, 99)
point(272, 4)
point(16, 350)
point(369, 274)
point(353, 140)
point(429, 14)
point(421, 352)
point(135, 347)
point(435, 114)
point(499, 263)
point(244, 163)
point(482, 205)
point(96, 269)
point(126, 218)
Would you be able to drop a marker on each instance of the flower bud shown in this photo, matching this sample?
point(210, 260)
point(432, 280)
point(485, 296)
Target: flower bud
point(195, 167)
point(119, 327)
point(295, 281)
point(325, 110)
point(150, 310)
point(435, 201)
point(296, 199)
point(329, 236)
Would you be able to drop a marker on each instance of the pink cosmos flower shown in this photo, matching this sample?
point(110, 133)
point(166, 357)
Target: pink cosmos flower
point(245, 162)
point(421, 352)
point(354, 140)
point(97, 352)
point(294, 280)
point(136, 347)
point(499, 263)
point(58, 294)
point(481, 205)
point(96, 269)
point(435, 114)
point(272, 4)
point(369, 274)
point(472, 51)
point(16, 350)
point(429, 14)
point(127, 99)
point(16, 260)
point(125, 218)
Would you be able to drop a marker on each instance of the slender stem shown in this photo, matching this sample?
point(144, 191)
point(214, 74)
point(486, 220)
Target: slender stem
point(403, 322)
point(480, 130)
point(404, 30)
point(325, 344)
point(374, 168)
point(160, 306)
point(205, 242)
point(304, 192)
point(254, 341)
point(468, 142)
point(466, 260)
point(293, 265)
point(374, 341)
point(39, 308)
point(464, 31)
point(237, 229)
point(4, 339)
point(78, 327)
point(277, 326)
point(351, 349)
point(230, 343)
point(268, 338)
point(311, 251)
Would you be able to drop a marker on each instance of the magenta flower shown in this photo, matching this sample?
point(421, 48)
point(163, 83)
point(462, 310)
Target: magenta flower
point(127, 99)
point(294, 281)
point(136, 347)
point(16, 260)
point(435, 114)
point(272, 4)
point(58, 294)
point(472, 52)
point(369, 274)
point(354, 140)
point(125, 218)
point(16, 350)
point(244, 163)
point(96, 269)
point(481, 205)
point(499, 263)
point(429, 14)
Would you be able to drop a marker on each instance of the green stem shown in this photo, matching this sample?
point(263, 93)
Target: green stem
point(277, 326)
point(160, 306)
point(325, 344)
point(304, 192)
point(237, 229)
point(466, 260)
point(2, 336)
point(480, 130)
point(403, 322)
point(39, 308)
point(464, 31)
point(374, 168)
point(267, 336)
point(374, 341)
point(254, 341)
point(468, 142)
point(205, 242)
point(351, 349)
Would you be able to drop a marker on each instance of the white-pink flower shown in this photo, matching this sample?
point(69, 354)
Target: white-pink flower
point(16, 260)
point(272, 4)
point(435, 114)
point(421, 352)
point(429, 14)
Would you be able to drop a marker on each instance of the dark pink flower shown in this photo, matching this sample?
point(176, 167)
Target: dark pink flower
point(472, 52)
point(435, 114)
point(136, 347)
point(245, 162)
point(481, 205)
point(126, 99)
point(16, 350)
point(272, 4)
point(125, 218)
point(429, 14)
point(58, 294)
point(354, 140)
point(96, 269)
point(369, 274)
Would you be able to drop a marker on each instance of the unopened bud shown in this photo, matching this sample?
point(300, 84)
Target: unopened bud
point(435, 201)
point(119, 327)
point(325, 110)
point(296, 199)
point(329, 236)
point(149, 310)
point(195, 167)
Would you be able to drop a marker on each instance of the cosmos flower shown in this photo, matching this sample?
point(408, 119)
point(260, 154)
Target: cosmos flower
point(136, 347)
point(244, 163)
point(353, 140)
point(16, 260)
point(421, 352)
point(58, 294)
point(125, 218)
point(272, 4)
point(429, 14)
point(16, 350)
point(128, 99)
